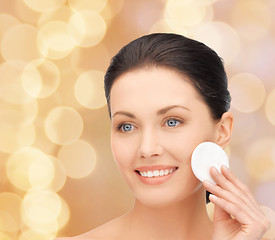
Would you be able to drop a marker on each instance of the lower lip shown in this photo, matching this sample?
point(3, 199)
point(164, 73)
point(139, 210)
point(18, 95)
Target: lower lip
point(155, 180)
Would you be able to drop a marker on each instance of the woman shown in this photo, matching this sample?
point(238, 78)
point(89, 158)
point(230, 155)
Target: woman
point(166, 94)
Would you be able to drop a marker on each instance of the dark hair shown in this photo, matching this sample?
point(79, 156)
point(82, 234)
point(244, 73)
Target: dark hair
point(186, 56)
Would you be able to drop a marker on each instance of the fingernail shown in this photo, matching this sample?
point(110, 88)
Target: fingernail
point(212, 196)
point(215, 169)
point(225, 167)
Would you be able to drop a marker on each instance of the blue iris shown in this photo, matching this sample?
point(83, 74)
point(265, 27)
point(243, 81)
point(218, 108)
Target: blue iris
point(127, 127)
point(172, 122)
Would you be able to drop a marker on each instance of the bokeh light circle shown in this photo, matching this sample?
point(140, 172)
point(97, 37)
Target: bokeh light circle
point(87, 28)
point(204, 2)
point(41, 206)
point(59, 178)
point(89, 89)
point(18, 115)
point(18, 166)
point(11, 89)
point(40, 78)
point(252, 17)
point(247, 91)
point(44, 6)
point(27, 49)
point(78, 158)
point(259, 159)
point(24, 13)
point(54, 40)
point(14, 138)
point(163, 25)
point(7, 222)
point(94, 5)
point(36, 235)
point(49, 227)
point(112, 9)
point(61, 14)
point(63, 125)
point(64, 215)
point(10, 217)
point(219, 36)
point(185, 12)
point(41, 172)
point(7, 21)
point(270, 107)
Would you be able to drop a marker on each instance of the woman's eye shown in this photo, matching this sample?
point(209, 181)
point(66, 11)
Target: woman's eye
point(126, 127)
point(172, 122)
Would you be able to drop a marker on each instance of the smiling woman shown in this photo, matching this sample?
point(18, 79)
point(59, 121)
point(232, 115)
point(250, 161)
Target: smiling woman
point(166, 127)
point(166, 94)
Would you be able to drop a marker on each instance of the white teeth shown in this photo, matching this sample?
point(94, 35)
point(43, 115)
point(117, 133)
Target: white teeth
point(157, 173)
point(150, 174)
point(144, 174)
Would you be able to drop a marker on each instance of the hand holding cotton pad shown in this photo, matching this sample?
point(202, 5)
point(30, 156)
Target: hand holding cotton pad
point(206, 155)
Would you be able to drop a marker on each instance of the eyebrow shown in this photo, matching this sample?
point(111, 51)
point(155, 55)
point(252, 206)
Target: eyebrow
point(159, 112)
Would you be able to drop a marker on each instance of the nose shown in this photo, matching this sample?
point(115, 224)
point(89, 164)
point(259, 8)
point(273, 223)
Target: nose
point(150, 145)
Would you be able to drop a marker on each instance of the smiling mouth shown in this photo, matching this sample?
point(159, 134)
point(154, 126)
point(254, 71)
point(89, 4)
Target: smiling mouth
point(156, 173)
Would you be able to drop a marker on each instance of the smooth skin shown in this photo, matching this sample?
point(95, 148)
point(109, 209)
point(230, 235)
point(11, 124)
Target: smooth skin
point(158, 118)
point(232, 197)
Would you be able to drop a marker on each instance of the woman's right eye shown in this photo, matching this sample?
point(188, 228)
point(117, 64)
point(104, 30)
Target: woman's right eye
point(126, 127)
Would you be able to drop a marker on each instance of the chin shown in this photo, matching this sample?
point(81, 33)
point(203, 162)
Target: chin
point(168, 198)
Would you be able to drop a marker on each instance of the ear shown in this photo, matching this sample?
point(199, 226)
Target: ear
point(224, 129)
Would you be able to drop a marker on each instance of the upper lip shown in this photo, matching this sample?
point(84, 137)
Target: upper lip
point(154, 167)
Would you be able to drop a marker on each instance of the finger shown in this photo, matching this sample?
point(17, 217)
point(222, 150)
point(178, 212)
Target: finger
point(220, 214)
point(230, 198)
point(257, 227)
point(226, 184)
point(239, 213)
point(243, 188)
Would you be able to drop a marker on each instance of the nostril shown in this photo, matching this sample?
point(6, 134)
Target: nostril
point(150, 145)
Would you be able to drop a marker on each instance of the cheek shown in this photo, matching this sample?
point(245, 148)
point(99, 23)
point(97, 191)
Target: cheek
point(123, 151)
point(182, 144)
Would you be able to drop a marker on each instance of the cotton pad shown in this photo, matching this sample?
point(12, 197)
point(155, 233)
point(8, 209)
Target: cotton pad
point(206, 155)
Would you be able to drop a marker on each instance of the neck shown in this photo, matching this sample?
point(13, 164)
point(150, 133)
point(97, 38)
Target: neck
point(187, 219)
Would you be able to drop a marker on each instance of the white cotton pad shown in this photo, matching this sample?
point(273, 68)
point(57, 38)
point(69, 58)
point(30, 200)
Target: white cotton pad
point(206, 155)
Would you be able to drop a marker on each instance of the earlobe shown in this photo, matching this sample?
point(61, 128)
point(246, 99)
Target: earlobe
point(225, 127)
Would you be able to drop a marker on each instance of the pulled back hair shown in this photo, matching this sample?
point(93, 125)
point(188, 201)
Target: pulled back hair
point(186, 56)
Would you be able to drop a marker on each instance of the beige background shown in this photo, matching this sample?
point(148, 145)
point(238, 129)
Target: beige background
point(57, 175)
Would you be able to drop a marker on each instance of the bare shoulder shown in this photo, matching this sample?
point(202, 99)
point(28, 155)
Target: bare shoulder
point(109, 231)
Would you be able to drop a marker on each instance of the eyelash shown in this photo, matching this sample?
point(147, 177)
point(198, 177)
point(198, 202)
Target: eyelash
point(175, 119)
point(119, 127)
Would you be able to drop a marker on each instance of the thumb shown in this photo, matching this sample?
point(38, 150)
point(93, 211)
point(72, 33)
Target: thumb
point(220, 214)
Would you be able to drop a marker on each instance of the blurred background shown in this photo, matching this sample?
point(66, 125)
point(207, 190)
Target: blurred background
point(57, 174)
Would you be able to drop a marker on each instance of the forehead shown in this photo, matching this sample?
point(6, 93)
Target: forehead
point(149, 89)
point(154, 83)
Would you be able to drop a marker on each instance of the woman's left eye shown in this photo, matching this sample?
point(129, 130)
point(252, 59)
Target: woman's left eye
point(173, 122)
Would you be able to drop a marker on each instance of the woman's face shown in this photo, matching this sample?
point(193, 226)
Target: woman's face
point(158, 119)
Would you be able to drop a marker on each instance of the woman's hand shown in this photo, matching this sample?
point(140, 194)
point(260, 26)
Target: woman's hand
point(232, 198)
